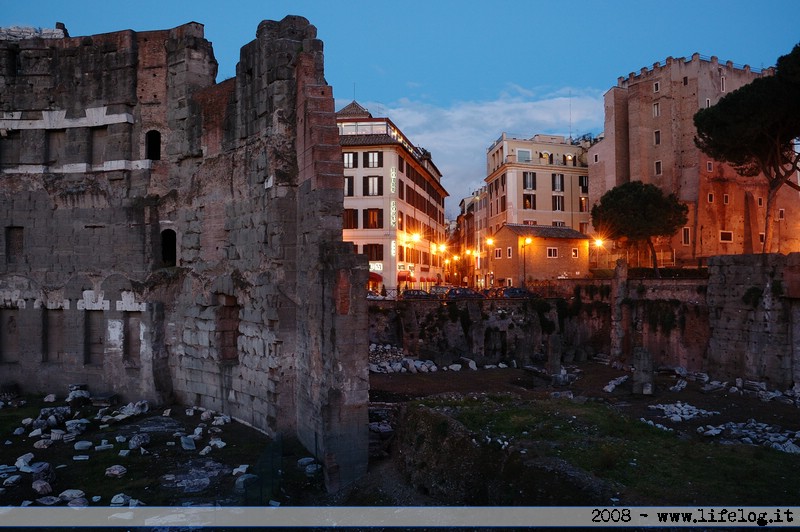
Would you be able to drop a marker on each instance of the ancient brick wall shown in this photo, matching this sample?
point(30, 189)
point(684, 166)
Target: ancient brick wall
point(173, 239)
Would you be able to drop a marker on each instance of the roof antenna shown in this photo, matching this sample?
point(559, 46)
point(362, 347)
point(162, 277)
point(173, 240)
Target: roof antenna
point(354, 91)
point(570, 116)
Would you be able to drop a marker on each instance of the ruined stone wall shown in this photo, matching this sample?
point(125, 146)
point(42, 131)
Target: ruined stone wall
point(752, 319)
point(174, 239)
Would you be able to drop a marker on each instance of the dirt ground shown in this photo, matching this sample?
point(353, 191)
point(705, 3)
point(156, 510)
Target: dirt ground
point(383, 485)
point(592, 377)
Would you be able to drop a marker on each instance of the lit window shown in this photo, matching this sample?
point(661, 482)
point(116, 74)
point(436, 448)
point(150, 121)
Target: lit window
point(552, 253)
point(373, 218)
point(529, 201)
point(574, 253)
point(583, 204)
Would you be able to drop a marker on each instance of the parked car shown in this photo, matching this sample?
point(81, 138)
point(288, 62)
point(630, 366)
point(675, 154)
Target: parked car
point(416, 294)
point(513, 292)
point(440, 290)
point(490, 292)
point(372, 294)
point(464, 293)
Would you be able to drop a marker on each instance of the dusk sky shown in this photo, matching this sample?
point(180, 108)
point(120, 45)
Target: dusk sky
point(453, 76)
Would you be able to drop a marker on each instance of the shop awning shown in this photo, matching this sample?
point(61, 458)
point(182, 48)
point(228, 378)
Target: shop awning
point(375, 278)
point(403, 275)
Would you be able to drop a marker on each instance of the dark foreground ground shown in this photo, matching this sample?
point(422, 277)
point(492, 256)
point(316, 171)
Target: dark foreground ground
point(166, 474)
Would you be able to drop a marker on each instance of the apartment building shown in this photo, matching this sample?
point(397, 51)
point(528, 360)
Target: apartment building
point(649, 136)
point(393, 202)
point(537, 181)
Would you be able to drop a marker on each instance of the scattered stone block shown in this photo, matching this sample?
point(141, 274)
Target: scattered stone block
point(72, 494)
point(116, 471)
point(82, 445)
point(42, 487)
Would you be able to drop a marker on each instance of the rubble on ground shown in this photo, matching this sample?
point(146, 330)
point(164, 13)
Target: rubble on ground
point(64, 425)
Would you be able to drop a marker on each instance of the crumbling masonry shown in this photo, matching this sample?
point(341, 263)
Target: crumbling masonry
point(165, 237)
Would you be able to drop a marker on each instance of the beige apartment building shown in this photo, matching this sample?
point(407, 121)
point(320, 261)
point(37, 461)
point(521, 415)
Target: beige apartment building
point(537, 181)
point(649, 136)
point(393, 202)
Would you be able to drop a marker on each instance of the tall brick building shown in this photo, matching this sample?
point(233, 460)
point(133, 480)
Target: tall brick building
point(169, 238)
point(649, 136)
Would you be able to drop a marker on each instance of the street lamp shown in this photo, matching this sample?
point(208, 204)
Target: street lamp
point(528, 241)
point(598, 244)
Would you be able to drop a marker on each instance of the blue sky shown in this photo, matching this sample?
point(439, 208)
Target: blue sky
point(454, 75)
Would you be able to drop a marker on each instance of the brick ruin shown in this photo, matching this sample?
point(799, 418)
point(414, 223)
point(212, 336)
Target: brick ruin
point(170, 238)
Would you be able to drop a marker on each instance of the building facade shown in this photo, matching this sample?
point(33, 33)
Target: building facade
point(521, 255)
point(537, 181)
point(393, 202)
point(649, 136)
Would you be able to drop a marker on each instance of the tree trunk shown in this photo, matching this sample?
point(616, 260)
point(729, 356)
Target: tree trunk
point(652, 247)
point(769, 229)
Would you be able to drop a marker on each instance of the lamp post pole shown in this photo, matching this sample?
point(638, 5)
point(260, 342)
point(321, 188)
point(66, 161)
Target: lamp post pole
point(489, 251)
point(525, 262)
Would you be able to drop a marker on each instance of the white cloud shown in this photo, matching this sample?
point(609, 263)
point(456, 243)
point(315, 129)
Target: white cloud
point(459, 135)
